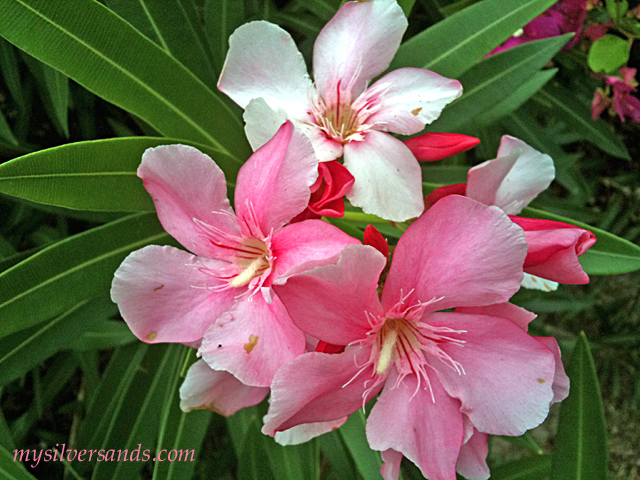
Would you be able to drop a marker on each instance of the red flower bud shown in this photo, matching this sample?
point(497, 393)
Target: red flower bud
point(374, 238)
point(436, 146)
point(441, 192)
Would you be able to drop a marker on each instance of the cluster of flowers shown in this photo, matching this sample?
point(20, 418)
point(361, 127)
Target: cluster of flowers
point(277, 300)
point(568, 16)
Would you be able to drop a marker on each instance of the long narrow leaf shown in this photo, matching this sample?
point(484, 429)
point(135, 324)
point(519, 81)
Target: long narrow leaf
point(96, 48)
point(532, 468)
point(455, 44)
point(581, 443)
point(98, 175)
point(14, 470)
point(487, 83)
point(79, 267)
point(367, 461)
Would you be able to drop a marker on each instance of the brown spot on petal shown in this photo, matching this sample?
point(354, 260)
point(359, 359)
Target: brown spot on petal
point(541, 380)
point(158, 288)
point(251, 344)
point(152, 336)
point(416, 111)
point(534, 279)
point(546, 285)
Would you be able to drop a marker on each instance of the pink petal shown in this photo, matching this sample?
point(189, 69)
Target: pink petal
point(461, 250)
point(331, 302)
point(334, 182)
point(374, 238)
point(390, 469)
point(388, 177)
point(512, 180)
point(273, 185)
point(506, 387)
point(186, 185)
point(426, 432)
point(357, 45)
point(162, 294)
point(263, 61)
point(433, 146)
point(472, 463)
point(313, 388)
point(303, 433)
point(252, 340)
point(517, 315)
point(554, 248)
point(217, 390)
point(560, 380)
point(305, 241)
point(410, 98)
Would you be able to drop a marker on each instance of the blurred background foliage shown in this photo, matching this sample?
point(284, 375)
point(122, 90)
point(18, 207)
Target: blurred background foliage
point(74, 373)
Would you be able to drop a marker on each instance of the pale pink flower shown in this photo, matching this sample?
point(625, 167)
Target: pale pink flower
point(447, 378)
point(511, 181)
point(265, 74)
point(219, 298)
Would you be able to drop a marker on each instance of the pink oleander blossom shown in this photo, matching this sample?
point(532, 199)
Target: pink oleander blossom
point(448, 379)
point(624, 103)
point(342, 115)
point(511, 181)
point(219, 298)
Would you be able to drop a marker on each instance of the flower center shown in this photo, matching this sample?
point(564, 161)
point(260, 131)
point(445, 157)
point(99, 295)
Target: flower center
point(251, 260)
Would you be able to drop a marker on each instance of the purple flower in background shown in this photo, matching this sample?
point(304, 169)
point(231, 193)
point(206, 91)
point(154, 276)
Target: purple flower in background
point(564, 17)
point(623, 102)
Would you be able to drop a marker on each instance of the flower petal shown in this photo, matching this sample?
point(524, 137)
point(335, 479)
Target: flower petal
point(331, 302)
point(263, 61)
point(538, 283)
point(472, 463)
point(409, 99)
point(305, 432)
point(427, 432)
point(391, 461)
point(262, 122)
point(517, 315)
point(560, 380)
point(217, 390)
point(433, 146)
point(357, 45)
point(186, 184)
point(164, 294)
point(305, 241)
point(252, 340)
point(318, 387)
point(465, 252)
point(273, 185)
point(506, 387)
point(388, 177)
point(512, 180)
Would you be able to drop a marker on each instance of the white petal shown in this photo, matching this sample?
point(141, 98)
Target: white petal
point(388, 177)
point(410, 98)
point(538, 283)
point(305, 432)
point(263, 61)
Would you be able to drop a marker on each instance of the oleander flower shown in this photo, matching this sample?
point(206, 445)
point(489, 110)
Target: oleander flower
point(447, 378)
point(219, 298)
point(511, 181)
point(623, 102)
point(265, 74)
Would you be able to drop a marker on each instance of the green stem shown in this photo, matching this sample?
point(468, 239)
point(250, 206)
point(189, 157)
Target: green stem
point(364, 218)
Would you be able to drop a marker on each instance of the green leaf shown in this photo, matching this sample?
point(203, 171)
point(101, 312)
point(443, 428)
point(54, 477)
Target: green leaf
point(532, 468)
point(221, 18)
point(607, 54)
point(167, 23)
point(617, 8)
point(518, 97)
point(11, 72)
point(11, 470)
point(578, 116)
point(524, 441)
point(27, 348)
point(97, 175)
point(67, 272)
point(486, 83)
point(99, 50)
point(53, 88)
point(406, 5)
point(368, 462)
point(454, 45)
point(609, 255)
point(444, 174)
point(109, 334)
point(580, 450)
point(334, 450)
